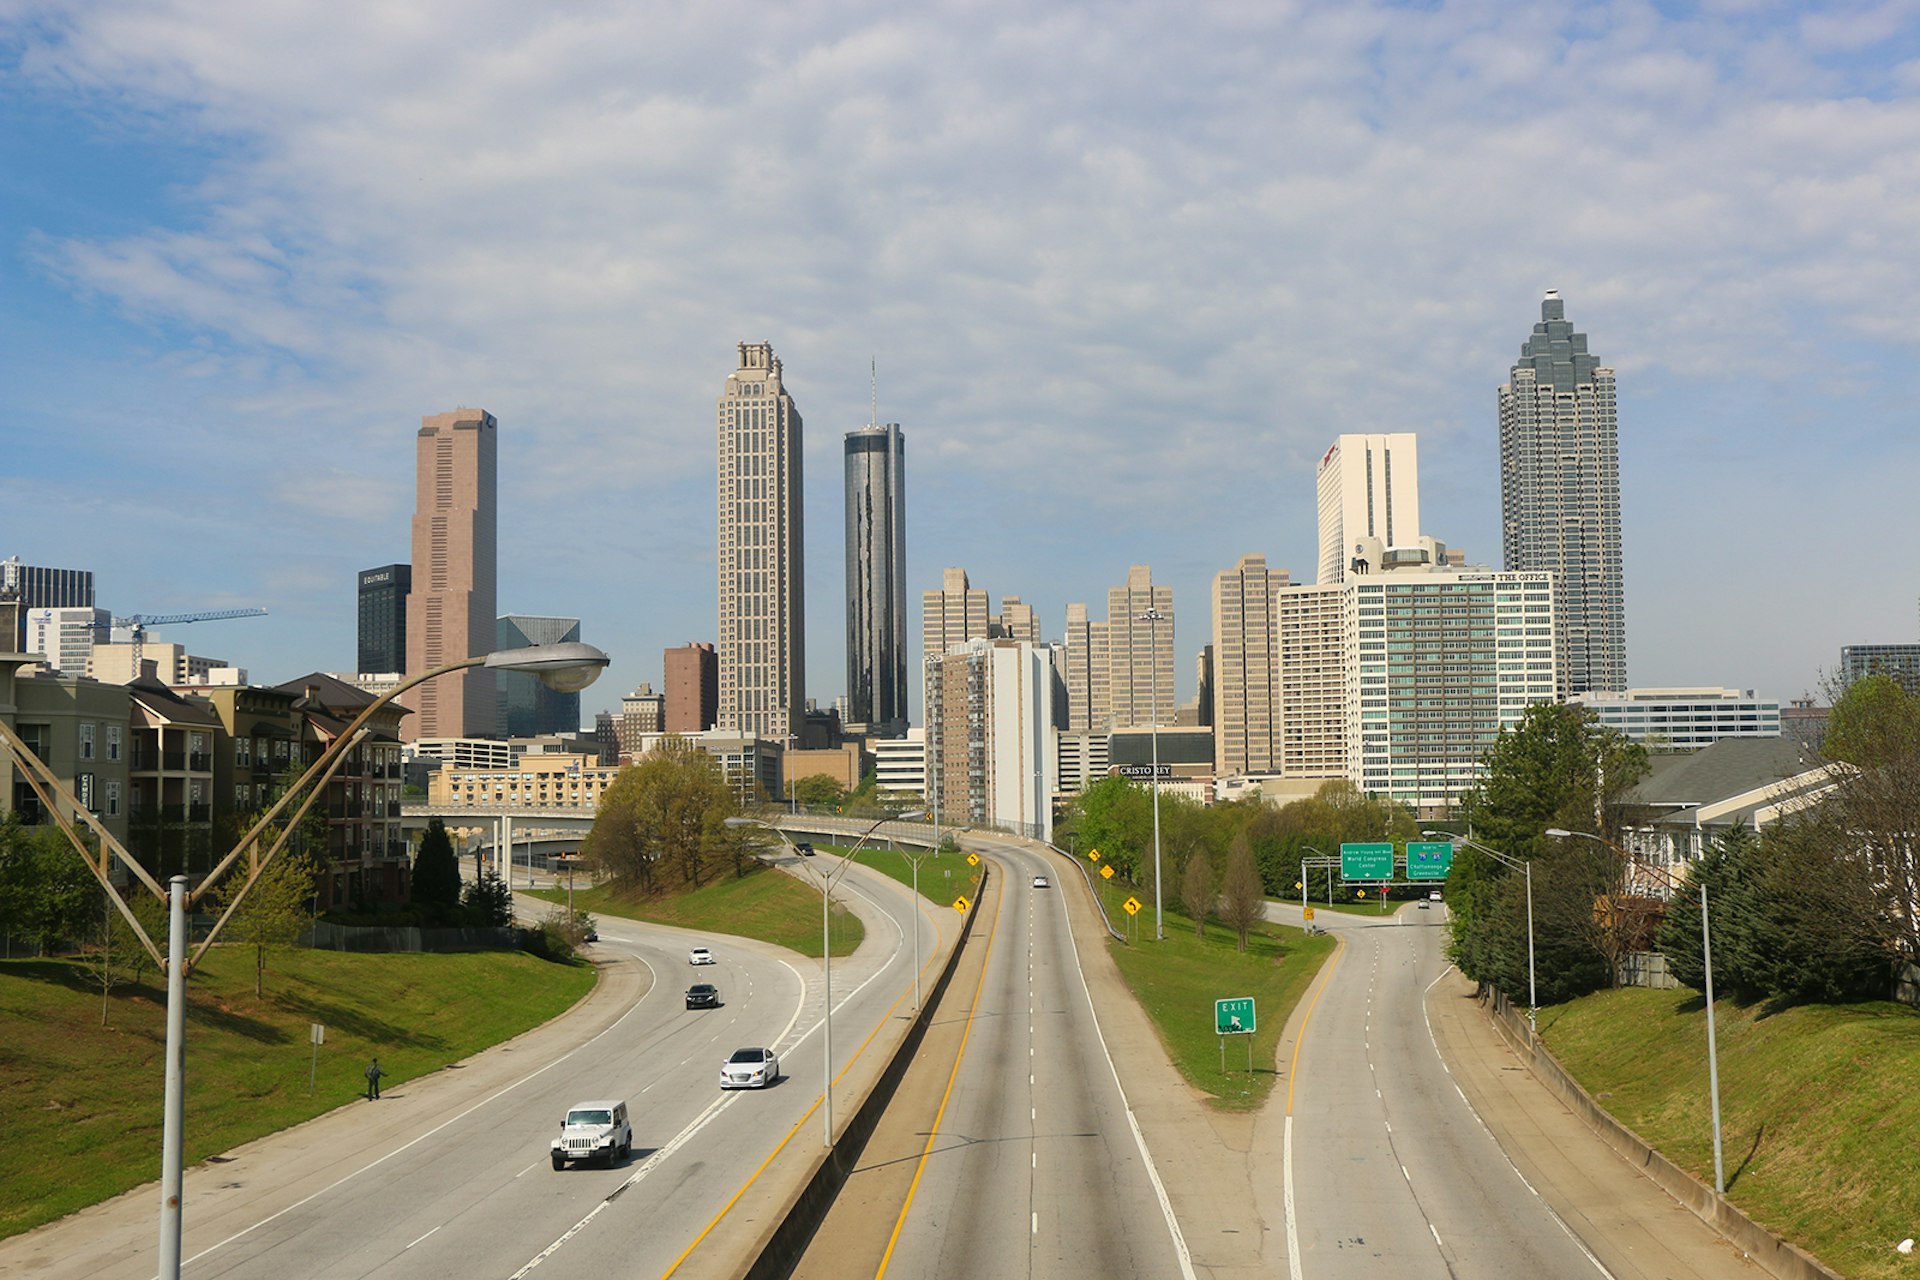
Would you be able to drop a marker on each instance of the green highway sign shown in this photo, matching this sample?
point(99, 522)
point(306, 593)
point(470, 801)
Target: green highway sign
point(1234, 1017)
point(1366, 861)
point(1429, 859)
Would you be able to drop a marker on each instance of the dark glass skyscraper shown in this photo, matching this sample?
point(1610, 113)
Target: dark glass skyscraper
point(527, 707)
point(876, 578)
point(1560, 494)
point(383, 617)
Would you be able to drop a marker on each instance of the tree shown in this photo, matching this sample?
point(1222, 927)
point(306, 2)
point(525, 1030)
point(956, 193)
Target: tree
point(114, 955)
point(817, 791)
point(47, 895)
point(436, 873)
point(1678, 938)
point(1874, 722)
point(663, 821)
point(1242, 901)
point(1196, 892)
point(275, 911)
point(488, 902)
point(1559, 767)
point(1115, 816)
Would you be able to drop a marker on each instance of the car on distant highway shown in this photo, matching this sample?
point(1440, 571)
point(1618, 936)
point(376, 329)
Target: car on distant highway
point(593, 1131)
point(703, 995)
point(804, 848)
point(749, 1069)
point(699, 955)
point(1040, 882)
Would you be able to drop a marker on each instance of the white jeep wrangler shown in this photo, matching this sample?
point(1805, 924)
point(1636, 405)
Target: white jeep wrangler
point(593, 1131)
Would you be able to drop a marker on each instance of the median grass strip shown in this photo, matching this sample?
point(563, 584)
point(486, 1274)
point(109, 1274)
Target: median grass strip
point(765, 904)
point(82, 1102)
point(944, 876)
point(1819, 1115)
point(1177, 981)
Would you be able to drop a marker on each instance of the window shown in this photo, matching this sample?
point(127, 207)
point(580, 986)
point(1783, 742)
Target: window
point(114, 733)
point(113, 797)
point(86, 742)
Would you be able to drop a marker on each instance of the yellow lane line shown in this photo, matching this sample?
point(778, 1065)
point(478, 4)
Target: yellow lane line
point(1326, 977)
point(965, 1034)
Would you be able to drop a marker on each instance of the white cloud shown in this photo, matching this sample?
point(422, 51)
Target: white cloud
point(1111, 259)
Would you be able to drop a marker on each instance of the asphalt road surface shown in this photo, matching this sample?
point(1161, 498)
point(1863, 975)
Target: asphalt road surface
point(1036, 1169)
point(476, 1195)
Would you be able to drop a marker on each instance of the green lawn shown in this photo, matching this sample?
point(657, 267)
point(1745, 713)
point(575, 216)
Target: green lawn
point(943, 876)
point(1177, 981)
point(767, 904)
point(1820, 1117)
point(82, 1102)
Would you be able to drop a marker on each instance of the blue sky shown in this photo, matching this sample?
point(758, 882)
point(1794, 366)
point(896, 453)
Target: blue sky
point(1125, 270)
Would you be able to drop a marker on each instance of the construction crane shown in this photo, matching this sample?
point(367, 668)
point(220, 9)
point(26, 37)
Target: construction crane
point(137, 625)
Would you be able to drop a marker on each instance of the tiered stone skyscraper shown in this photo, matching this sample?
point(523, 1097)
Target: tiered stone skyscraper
point(762, 577)
point(876, 460)
point(451, 609)
point(1560, 494)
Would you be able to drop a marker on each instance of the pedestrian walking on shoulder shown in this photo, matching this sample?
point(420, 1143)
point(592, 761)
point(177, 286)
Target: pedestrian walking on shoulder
point(373, 1080)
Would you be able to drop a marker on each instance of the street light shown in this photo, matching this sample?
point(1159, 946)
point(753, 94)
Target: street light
point(1152, 618)
point(914, 860)
point(827, 880)
point(1706, 955)
point(1526, 865)
point(567, 668)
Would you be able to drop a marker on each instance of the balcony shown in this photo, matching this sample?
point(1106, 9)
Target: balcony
point(200, 762)
point(173, 761)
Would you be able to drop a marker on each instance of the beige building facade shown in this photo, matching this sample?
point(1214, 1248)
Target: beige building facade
point(1246, 668)
point(1369, 487)
point(451, 610)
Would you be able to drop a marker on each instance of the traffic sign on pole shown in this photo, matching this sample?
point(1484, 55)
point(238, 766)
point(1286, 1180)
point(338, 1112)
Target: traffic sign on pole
point(973, 859)
point(1093, 855)
point(961, 904)
point(1234, 1017)
point(1106, 872)
point(1132, 906)
point(1366, 861)
point(1429, 859)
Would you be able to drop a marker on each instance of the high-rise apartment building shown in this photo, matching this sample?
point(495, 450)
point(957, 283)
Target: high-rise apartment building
point(692, 687)
point(1369, 487)
point(1560, 494)
point(954, 614)
point(992, 755)
point(1015, 621)
point(529, 708)
point(451, 609)
point(1246, 671)
point(1089, 704)
point(876, 472)
point(762, 646)
point(1139, 642)
point(1310, 635)
point(383, 618)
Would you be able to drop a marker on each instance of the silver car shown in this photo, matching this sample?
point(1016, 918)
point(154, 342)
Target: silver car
point(749, 1069)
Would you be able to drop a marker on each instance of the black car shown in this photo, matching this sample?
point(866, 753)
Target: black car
point(804, 848)
point(703, 995)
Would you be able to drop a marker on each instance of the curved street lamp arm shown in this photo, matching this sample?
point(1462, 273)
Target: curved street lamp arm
point(328, 761)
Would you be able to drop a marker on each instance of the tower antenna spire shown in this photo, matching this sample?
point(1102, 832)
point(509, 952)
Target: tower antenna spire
point(873, 376)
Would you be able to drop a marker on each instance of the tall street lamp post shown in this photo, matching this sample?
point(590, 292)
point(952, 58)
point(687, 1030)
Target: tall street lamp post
point(567, 668)
point(1152, 618)
point(1713, 1050)
point(1518, 864)
point(826, 880)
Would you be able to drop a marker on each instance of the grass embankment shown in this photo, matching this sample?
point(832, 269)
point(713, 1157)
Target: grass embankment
point(1820, 1119)
point(765, 904)
point(1177, 981)
point(82, 1103)
point(944, 876)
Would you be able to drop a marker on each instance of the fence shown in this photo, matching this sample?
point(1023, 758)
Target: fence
point(322, 936)
point(1646, 969)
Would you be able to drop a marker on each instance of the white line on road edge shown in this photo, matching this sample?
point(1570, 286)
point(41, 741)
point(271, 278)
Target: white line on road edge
point(423, 1237)
point(1560, 1222)
point(1293, 1229)
point(493, 1097)
point(1139, 1138)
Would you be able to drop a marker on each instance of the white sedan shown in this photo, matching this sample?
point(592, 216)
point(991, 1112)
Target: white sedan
point(749, 1069)
point(699, 955)
point(1040, 882)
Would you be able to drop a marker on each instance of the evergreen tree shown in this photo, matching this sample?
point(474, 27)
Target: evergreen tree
point(436, 873)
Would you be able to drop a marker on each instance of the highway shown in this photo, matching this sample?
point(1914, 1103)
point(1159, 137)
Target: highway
point(1036, 1169)
point(1390, 1170)
point(474, 1193)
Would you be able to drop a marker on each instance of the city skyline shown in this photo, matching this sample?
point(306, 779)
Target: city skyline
point(1123, 327)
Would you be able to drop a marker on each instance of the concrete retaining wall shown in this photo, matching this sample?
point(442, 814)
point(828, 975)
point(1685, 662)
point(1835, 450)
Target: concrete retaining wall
point(1777, 1256)
point(789, 1239)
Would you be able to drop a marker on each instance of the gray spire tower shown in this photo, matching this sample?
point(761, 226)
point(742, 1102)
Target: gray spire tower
point(1560, 493)
point(876, 466)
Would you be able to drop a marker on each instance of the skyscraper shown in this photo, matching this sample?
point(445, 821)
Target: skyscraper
point(1139, 652)
point(954, 614)
point(876, 463)
point(383, 618)
point(1369, 487)
point(1560, 494)
point(451, 611)
point(762, 566)
point(1246, 668)
point(529, 708)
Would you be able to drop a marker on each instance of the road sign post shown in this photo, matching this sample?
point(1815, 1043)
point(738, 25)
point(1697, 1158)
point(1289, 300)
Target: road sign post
point(318, 1035)
point(1234, 1017)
